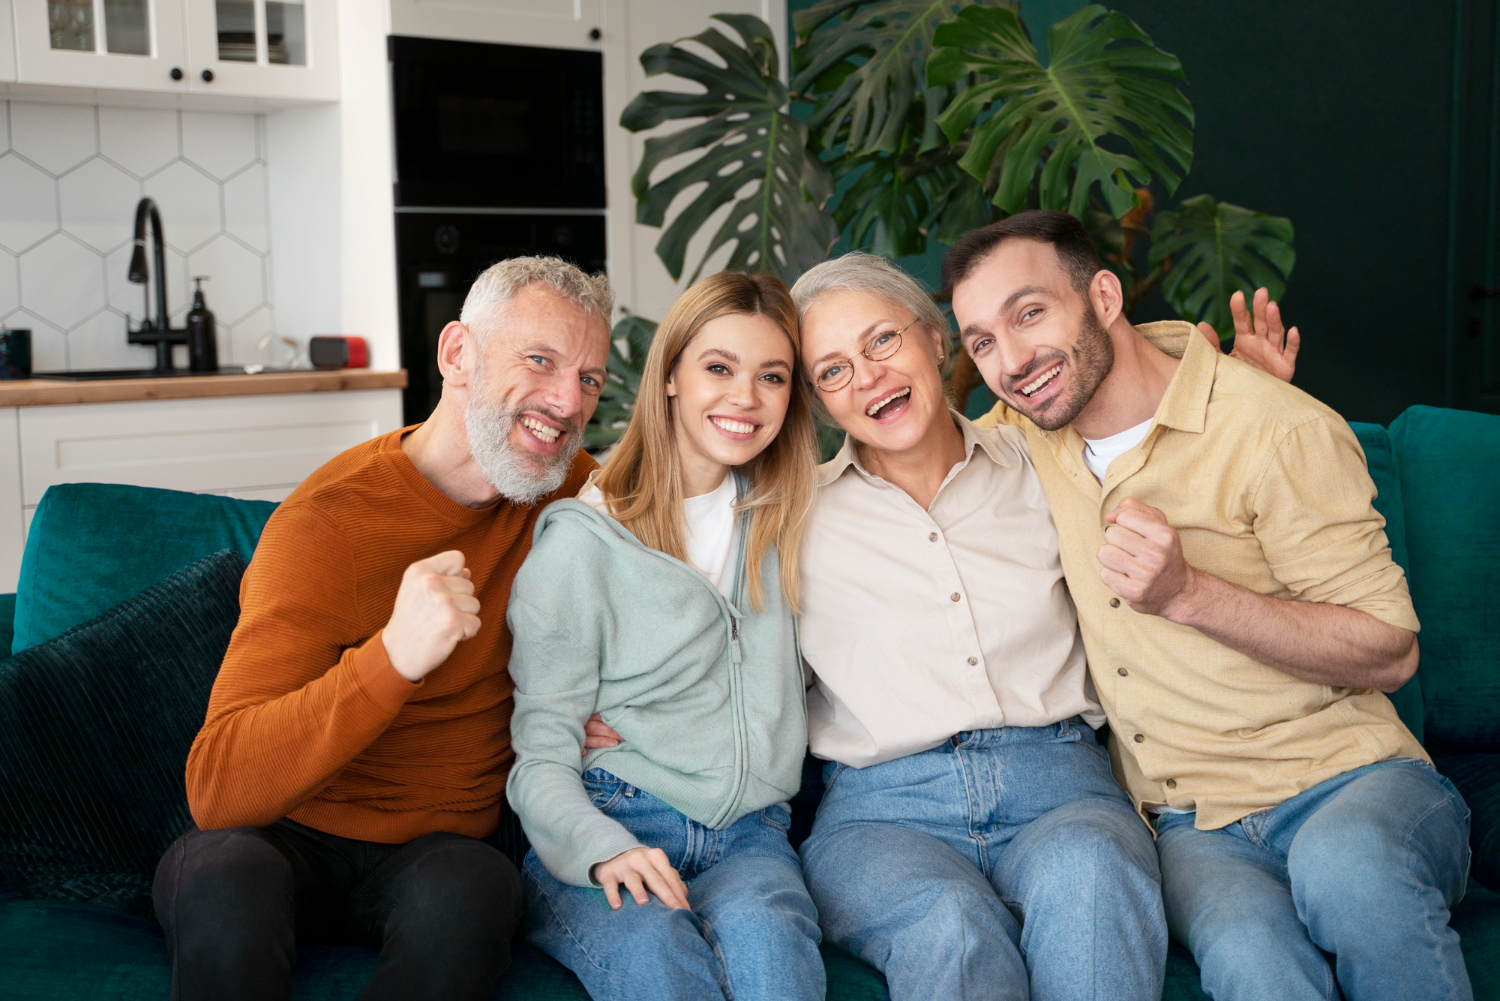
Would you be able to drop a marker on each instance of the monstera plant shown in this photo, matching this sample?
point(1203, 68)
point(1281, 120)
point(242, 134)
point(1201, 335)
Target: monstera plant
point(908, 121)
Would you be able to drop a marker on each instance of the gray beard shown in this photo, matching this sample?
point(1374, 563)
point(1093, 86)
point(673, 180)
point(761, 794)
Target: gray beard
point(514, 474)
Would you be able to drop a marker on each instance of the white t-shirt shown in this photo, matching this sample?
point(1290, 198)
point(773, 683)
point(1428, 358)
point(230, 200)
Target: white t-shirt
point(711, 528)
point(1098, 453)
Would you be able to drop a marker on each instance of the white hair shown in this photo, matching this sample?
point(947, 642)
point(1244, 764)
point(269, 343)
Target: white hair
point(493, 290)
point(858, 271)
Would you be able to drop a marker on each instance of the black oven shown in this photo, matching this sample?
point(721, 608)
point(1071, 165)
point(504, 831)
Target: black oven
point(499, 153)
point(513, 126)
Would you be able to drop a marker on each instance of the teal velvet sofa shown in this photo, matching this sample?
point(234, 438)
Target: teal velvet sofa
point(1437, 471)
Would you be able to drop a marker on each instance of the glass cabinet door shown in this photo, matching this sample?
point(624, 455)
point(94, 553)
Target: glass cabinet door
point(272, 48)
point(128, 44)
point(75, 25)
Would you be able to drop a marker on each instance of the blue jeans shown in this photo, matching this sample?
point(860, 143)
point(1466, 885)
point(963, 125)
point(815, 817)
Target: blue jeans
point(752, 932)
point(1001, 864)
point(1359, 871)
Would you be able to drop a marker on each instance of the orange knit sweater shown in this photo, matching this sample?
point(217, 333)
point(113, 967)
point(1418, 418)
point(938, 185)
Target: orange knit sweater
point(308, 719)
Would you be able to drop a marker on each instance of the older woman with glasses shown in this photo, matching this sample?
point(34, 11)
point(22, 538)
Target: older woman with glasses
point(972, 842)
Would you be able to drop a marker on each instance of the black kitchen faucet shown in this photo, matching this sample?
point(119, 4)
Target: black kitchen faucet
point(158, 331)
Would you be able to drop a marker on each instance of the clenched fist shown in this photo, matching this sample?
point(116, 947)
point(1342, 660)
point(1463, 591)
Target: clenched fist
point(435, 611)
point(1141, 559)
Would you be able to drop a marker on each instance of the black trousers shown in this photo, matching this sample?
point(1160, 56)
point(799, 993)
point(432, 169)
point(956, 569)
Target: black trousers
point(234, 903)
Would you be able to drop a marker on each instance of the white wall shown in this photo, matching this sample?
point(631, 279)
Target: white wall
point(70, 177)
point(332, 215)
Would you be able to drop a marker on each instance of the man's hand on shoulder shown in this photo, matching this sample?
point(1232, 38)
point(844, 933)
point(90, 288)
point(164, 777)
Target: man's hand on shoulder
point(435, 611)
point(1260, 340)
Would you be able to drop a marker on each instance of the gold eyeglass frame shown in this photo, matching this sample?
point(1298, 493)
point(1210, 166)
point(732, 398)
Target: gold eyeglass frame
point(864, 353)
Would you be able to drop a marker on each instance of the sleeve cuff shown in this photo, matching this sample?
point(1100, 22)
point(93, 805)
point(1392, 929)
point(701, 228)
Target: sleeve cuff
point(377, 678)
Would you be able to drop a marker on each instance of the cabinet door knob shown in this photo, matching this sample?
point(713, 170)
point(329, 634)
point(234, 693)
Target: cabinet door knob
point(176, 73)
point(208, 76)
point(595, 34)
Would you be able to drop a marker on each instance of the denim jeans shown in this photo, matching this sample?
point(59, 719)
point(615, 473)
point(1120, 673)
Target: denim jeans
point(1001, 864)
point(1359, 871)
point(752, 933)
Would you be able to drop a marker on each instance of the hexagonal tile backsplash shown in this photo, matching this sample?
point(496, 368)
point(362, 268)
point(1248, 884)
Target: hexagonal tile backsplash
point(69, 180)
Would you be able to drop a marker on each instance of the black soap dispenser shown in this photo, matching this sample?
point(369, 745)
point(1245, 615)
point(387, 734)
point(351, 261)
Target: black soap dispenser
point(202, 338)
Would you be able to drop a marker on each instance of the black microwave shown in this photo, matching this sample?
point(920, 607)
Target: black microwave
point(480, 125)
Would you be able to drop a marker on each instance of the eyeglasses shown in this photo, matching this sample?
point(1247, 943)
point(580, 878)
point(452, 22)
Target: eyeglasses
point(836, 374)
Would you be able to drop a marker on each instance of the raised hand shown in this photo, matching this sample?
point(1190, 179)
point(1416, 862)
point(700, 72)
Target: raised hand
point(642, 869)
point(435, 611)
point(1260, 338)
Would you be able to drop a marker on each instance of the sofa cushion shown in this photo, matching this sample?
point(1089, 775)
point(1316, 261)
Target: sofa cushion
point(95, 728)
point(92, 545)
point(1380, 457)
point(1477, 777)
point(1447, 460)
point(52, 950)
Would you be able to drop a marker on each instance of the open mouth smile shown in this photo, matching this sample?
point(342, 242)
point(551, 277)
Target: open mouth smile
point(734, 428)
point(1040, 382)
point(544, 433)
point(889, 404)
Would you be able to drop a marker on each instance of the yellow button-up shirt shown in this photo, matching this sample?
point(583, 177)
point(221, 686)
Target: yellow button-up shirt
point(1268, 489)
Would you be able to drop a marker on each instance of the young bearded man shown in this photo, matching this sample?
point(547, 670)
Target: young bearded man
point(1242, 616)
point(356, 747)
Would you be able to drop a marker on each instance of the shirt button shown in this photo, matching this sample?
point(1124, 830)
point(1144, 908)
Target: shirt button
point(973, 661)
point(954, 596)
point(932, 537)
point(1140, 738)
point(1122, 672)
point(1114, 603)
point(1171, 783)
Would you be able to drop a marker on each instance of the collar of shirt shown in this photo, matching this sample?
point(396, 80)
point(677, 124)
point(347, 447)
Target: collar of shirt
point(983, 439)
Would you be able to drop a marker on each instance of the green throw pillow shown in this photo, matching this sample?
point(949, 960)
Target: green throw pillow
point(95, 728)
point(92, 545)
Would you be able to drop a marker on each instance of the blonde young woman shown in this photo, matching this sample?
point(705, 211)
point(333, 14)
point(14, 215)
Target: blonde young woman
point(663, 598)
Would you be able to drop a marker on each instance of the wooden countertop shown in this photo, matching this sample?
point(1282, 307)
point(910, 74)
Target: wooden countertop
point(44, 392)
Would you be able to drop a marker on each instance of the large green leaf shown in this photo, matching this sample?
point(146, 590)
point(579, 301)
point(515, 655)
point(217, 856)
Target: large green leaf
point(896, 203)
point(628, 344)
point(1104, 113)
point(864, 63)
point(1216, 249)
point(754, 157)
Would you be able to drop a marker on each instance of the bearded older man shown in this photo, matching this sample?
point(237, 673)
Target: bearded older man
point(356, 746)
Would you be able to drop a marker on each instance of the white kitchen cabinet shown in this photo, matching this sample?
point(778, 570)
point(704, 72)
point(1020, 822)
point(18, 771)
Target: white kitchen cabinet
point(256, 447)
point(562, 24)
point(282, 50)
point(263, 48)
point(7, 44)
point(125, 44)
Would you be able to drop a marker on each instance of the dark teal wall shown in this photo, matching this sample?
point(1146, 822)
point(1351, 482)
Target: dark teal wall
point(1339, 115)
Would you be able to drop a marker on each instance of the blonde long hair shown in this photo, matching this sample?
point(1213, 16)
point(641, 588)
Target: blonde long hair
point(642, 481)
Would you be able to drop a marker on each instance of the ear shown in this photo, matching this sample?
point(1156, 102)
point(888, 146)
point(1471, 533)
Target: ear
point(457, 355)
point(1107, 297)
point(672, 382)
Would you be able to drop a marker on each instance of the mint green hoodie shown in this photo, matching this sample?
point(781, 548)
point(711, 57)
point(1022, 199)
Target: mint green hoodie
point(707, 694)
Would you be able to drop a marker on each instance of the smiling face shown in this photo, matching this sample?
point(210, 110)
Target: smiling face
point(534, 389)
point(1035, 338)
point(728, 394)
point(890, 405)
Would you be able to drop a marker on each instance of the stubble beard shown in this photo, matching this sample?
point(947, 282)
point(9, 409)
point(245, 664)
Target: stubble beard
point(519, 477)
point(1093, 357)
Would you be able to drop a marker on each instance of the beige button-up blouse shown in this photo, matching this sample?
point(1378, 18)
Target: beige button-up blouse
point(920, 624)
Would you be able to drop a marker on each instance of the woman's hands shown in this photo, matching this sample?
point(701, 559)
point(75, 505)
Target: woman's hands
point(642, 869)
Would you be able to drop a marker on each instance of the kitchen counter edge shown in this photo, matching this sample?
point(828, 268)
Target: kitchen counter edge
point(55, 392)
